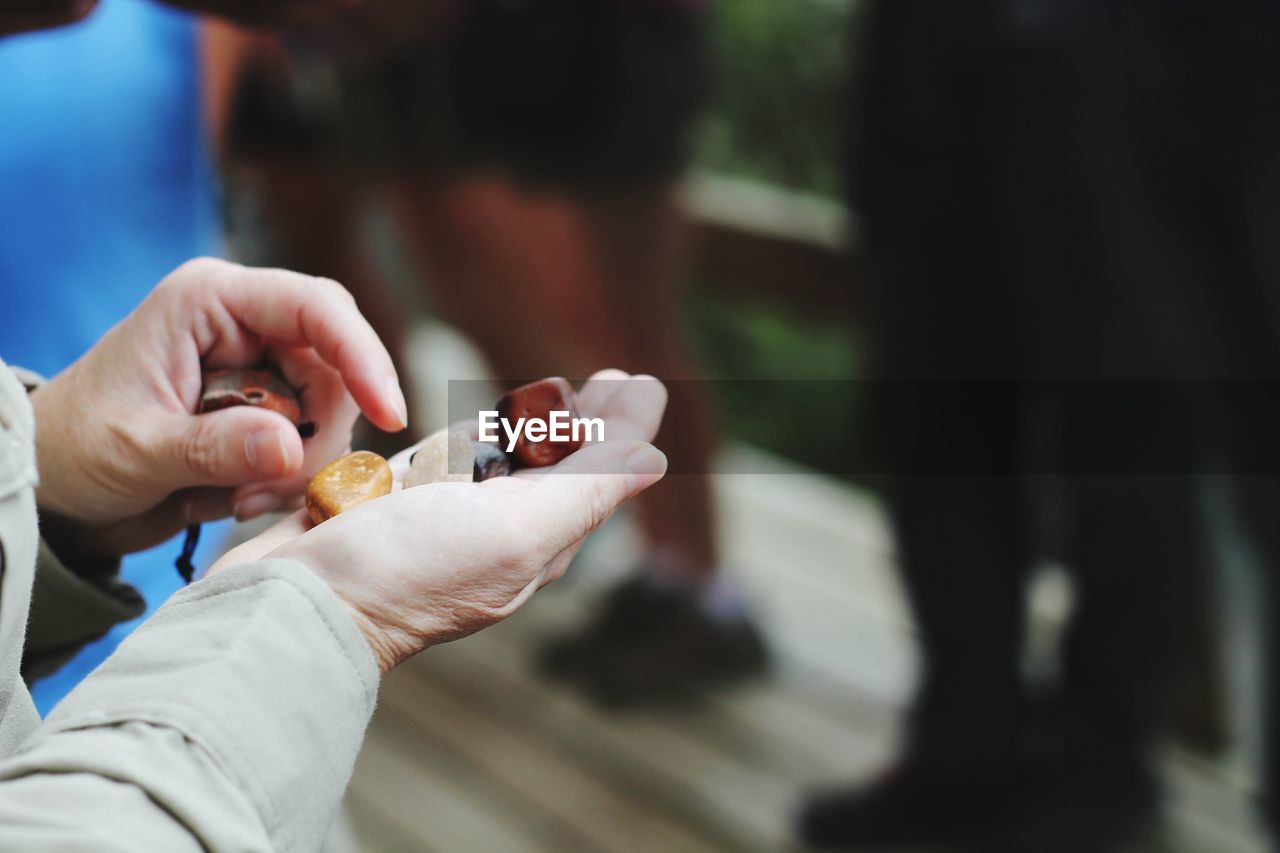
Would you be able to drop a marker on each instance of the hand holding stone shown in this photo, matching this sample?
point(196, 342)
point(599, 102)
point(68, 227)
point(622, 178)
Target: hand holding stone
point(124, 460)
point(452, 558)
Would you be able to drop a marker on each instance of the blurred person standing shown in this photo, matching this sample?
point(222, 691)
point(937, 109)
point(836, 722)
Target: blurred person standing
point(530, 151)
point(1066, 204)
point(107, 185)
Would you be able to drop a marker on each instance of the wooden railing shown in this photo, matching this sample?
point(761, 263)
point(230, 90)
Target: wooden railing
point(759, 239)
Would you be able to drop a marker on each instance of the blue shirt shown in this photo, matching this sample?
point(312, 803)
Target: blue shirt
point(105, 187)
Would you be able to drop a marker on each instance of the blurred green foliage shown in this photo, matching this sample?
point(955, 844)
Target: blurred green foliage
point(777, 116)
point(778, 103)
point(807, 411)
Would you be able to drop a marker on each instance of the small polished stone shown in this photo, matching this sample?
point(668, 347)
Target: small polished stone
point(223, 388)
point(248, 386)
point(445, 457)
point(350, 481)
point(538, 400)
point(490, 462)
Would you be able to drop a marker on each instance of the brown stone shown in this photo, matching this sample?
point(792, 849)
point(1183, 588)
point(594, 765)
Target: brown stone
point(445, 457)
point(538, 400)
point(350, 481)
point(246, 386)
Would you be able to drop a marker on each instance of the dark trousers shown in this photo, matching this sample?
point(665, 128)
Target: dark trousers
point(1068, 207)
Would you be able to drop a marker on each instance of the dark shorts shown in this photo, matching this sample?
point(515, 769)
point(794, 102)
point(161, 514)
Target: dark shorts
point(564, 92)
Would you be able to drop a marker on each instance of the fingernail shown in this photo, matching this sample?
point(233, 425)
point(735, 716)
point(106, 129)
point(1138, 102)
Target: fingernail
point(267, 451)
point(397, 400)
point(646, 465)
point(256, 505)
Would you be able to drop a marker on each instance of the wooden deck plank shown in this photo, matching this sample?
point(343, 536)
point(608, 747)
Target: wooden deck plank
point(377, 828)
point(794, 714)
point(649, 755)
point(468, 734)
point(424, 798)
point(593, 813)
point(1205, 811)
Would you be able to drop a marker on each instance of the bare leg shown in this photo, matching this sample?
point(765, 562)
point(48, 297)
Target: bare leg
point(551, 284)
point(316, 208)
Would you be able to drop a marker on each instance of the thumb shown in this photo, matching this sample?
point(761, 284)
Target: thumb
point(579, 494)
point(229, 447)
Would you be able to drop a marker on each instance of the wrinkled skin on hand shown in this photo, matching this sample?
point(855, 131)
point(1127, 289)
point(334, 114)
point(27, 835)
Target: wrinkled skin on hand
point(453, 558)
point(124, 460)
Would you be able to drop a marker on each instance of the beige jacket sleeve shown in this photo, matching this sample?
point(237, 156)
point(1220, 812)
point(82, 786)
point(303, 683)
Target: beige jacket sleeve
point(229, 721)
point(70, 606)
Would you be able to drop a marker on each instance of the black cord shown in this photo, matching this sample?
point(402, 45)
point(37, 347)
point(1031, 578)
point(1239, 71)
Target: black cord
point(186, 569)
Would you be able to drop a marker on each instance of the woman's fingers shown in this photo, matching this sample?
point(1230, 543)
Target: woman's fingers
point(229, 447)
point(569, 500)
point(598, 388)
point(633, 410)
point(290, 309)
point(325, 401)
point(631, 407)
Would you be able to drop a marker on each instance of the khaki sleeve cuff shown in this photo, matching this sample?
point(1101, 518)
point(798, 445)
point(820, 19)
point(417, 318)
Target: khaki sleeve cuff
point(262, 670)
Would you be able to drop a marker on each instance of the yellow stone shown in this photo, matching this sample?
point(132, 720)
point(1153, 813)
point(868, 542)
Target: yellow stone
point(350, 481)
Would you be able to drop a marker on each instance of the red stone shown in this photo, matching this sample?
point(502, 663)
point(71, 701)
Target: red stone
point(244, 386)
point(538, 400)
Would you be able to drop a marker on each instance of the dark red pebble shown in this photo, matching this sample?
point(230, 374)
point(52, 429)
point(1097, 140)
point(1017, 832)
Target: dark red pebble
point(538, 400)
point(241, 386)
point(250, 387)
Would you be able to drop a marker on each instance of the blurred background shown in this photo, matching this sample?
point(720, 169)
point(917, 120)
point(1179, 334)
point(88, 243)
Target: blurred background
point(903, 265)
